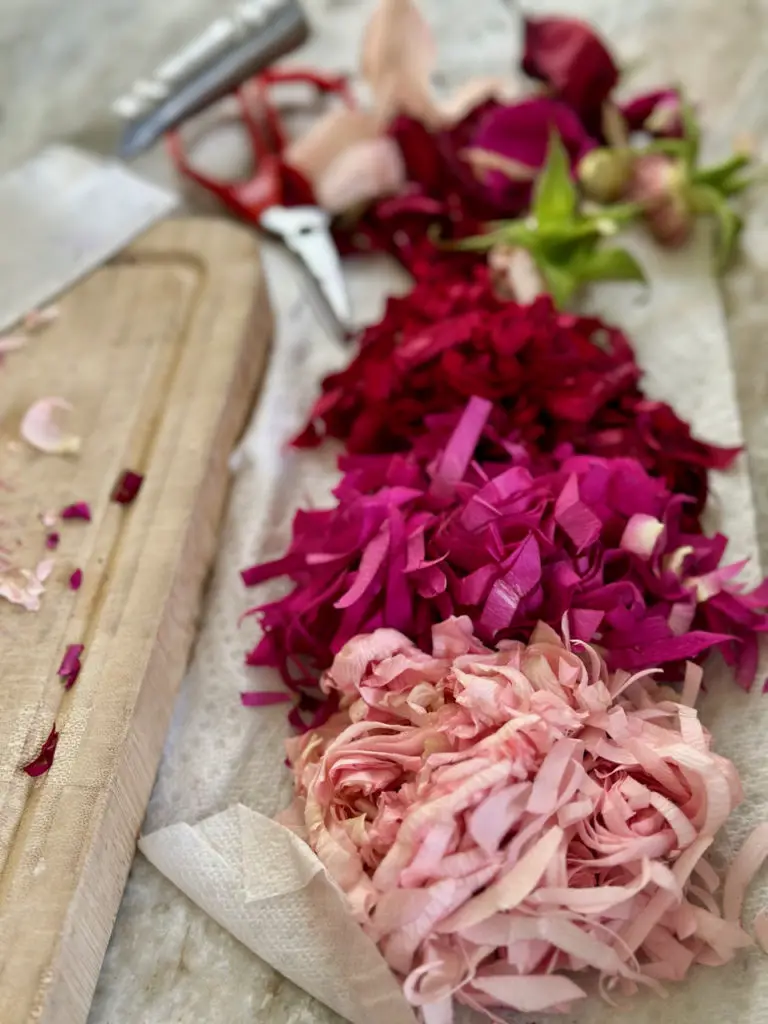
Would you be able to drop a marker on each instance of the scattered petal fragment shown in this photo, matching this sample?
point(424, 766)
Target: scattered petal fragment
point(127, 487)
point(70, 666)
point(78, 510)
point(43, 427)
point(44, 760)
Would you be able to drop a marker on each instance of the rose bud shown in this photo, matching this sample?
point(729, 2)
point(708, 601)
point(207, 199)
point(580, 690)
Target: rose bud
point(660, 184)
point(604, 174)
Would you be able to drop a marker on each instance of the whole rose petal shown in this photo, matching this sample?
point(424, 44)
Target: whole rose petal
point(521, 133)
point(658, 113)
point(43, 427)
point(398, 58)
point(571, 59)
point(361, 173)
point(330, 135)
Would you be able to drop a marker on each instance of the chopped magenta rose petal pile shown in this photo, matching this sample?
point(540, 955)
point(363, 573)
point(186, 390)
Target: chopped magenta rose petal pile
point(499, 818)
point(554, 379)
point(597, 540)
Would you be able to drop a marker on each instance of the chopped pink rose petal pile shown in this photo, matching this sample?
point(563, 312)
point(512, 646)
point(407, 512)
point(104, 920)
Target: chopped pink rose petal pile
point(504, 821)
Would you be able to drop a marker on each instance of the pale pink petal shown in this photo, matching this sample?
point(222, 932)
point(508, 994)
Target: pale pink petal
point(515, 274)
point(44, 569)
point(315, 151)
point(742, 870)
point(37, 319)
point(432, 801)
point(12, 342)
point(760, 927)
point(362, 172)
point(43, 427)
point(641, 534)
point(397, 60)
point(529, 994)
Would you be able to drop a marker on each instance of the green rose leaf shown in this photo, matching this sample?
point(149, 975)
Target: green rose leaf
point(560, 281)
point(554, 194)
point(610, 265)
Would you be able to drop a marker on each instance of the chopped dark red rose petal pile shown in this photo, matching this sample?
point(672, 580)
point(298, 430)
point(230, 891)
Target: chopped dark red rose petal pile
point(596, 539)
point(555, 379)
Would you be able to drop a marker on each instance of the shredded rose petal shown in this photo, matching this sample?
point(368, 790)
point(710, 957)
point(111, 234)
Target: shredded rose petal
point(76, 579)
point(508, 541)
point(263, 699)
point(43, 427)
point(127, 487)
point(52, 541)
point(44, 760)
point(70, 666)
point(78, 510)
point(503, 821)
point(555, 379)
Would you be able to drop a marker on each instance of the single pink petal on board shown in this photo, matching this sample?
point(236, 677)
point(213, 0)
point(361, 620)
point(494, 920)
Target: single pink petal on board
point(12, 342)
point(44, 427)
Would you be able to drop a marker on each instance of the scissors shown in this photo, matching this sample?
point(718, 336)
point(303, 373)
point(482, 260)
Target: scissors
point(277, 197)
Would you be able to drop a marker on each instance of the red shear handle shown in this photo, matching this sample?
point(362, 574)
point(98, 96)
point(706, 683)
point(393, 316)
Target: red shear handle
point(273, 182)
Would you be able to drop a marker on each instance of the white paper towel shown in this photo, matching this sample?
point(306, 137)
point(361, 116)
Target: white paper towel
point(224, 758)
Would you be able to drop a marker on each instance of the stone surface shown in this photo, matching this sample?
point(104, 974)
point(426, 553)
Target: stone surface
point(62, 64)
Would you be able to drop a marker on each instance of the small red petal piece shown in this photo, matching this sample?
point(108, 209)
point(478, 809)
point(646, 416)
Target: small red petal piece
point(127, 487)
point(44, 760)
point(78, 510)
point(76, 579)
point(70, 666)
point(52, 541)
point(254, 699)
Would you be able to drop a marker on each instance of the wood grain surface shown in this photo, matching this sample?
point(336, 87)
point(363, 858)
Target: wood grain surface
point(160, 354)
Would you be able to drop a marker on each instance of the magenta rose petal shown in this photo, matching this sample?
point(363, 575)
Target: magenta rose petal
point(70, 666)
point(78, 510)
point(42, 763)
point(657, 112)
point(127, 487)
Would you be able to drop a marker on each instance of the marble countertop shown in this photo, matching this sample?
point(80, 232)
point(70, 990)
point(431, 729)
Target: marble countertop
point(62, 64)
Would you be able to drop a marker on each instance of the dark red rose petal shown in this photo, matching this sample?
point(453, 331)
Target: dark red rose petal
point(571, 59)
point(127, 487)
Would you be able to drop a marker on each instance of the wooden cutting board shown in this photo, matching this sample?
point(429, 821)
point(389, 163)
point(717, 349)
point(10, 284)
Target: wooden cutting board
point(160, 354)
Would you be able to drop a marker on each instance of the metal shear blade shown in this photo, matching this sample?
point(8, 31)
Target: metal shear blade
point(305, 230)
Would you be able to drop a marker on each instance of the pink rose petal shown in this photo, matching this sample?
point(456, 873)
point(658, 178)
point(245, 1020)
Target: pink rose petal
point(43, 427)
point(505, 821)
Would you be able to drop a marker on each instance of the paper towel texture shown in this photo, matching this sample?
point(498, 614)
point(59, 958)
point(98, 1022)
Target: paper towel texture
point(250, 875)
